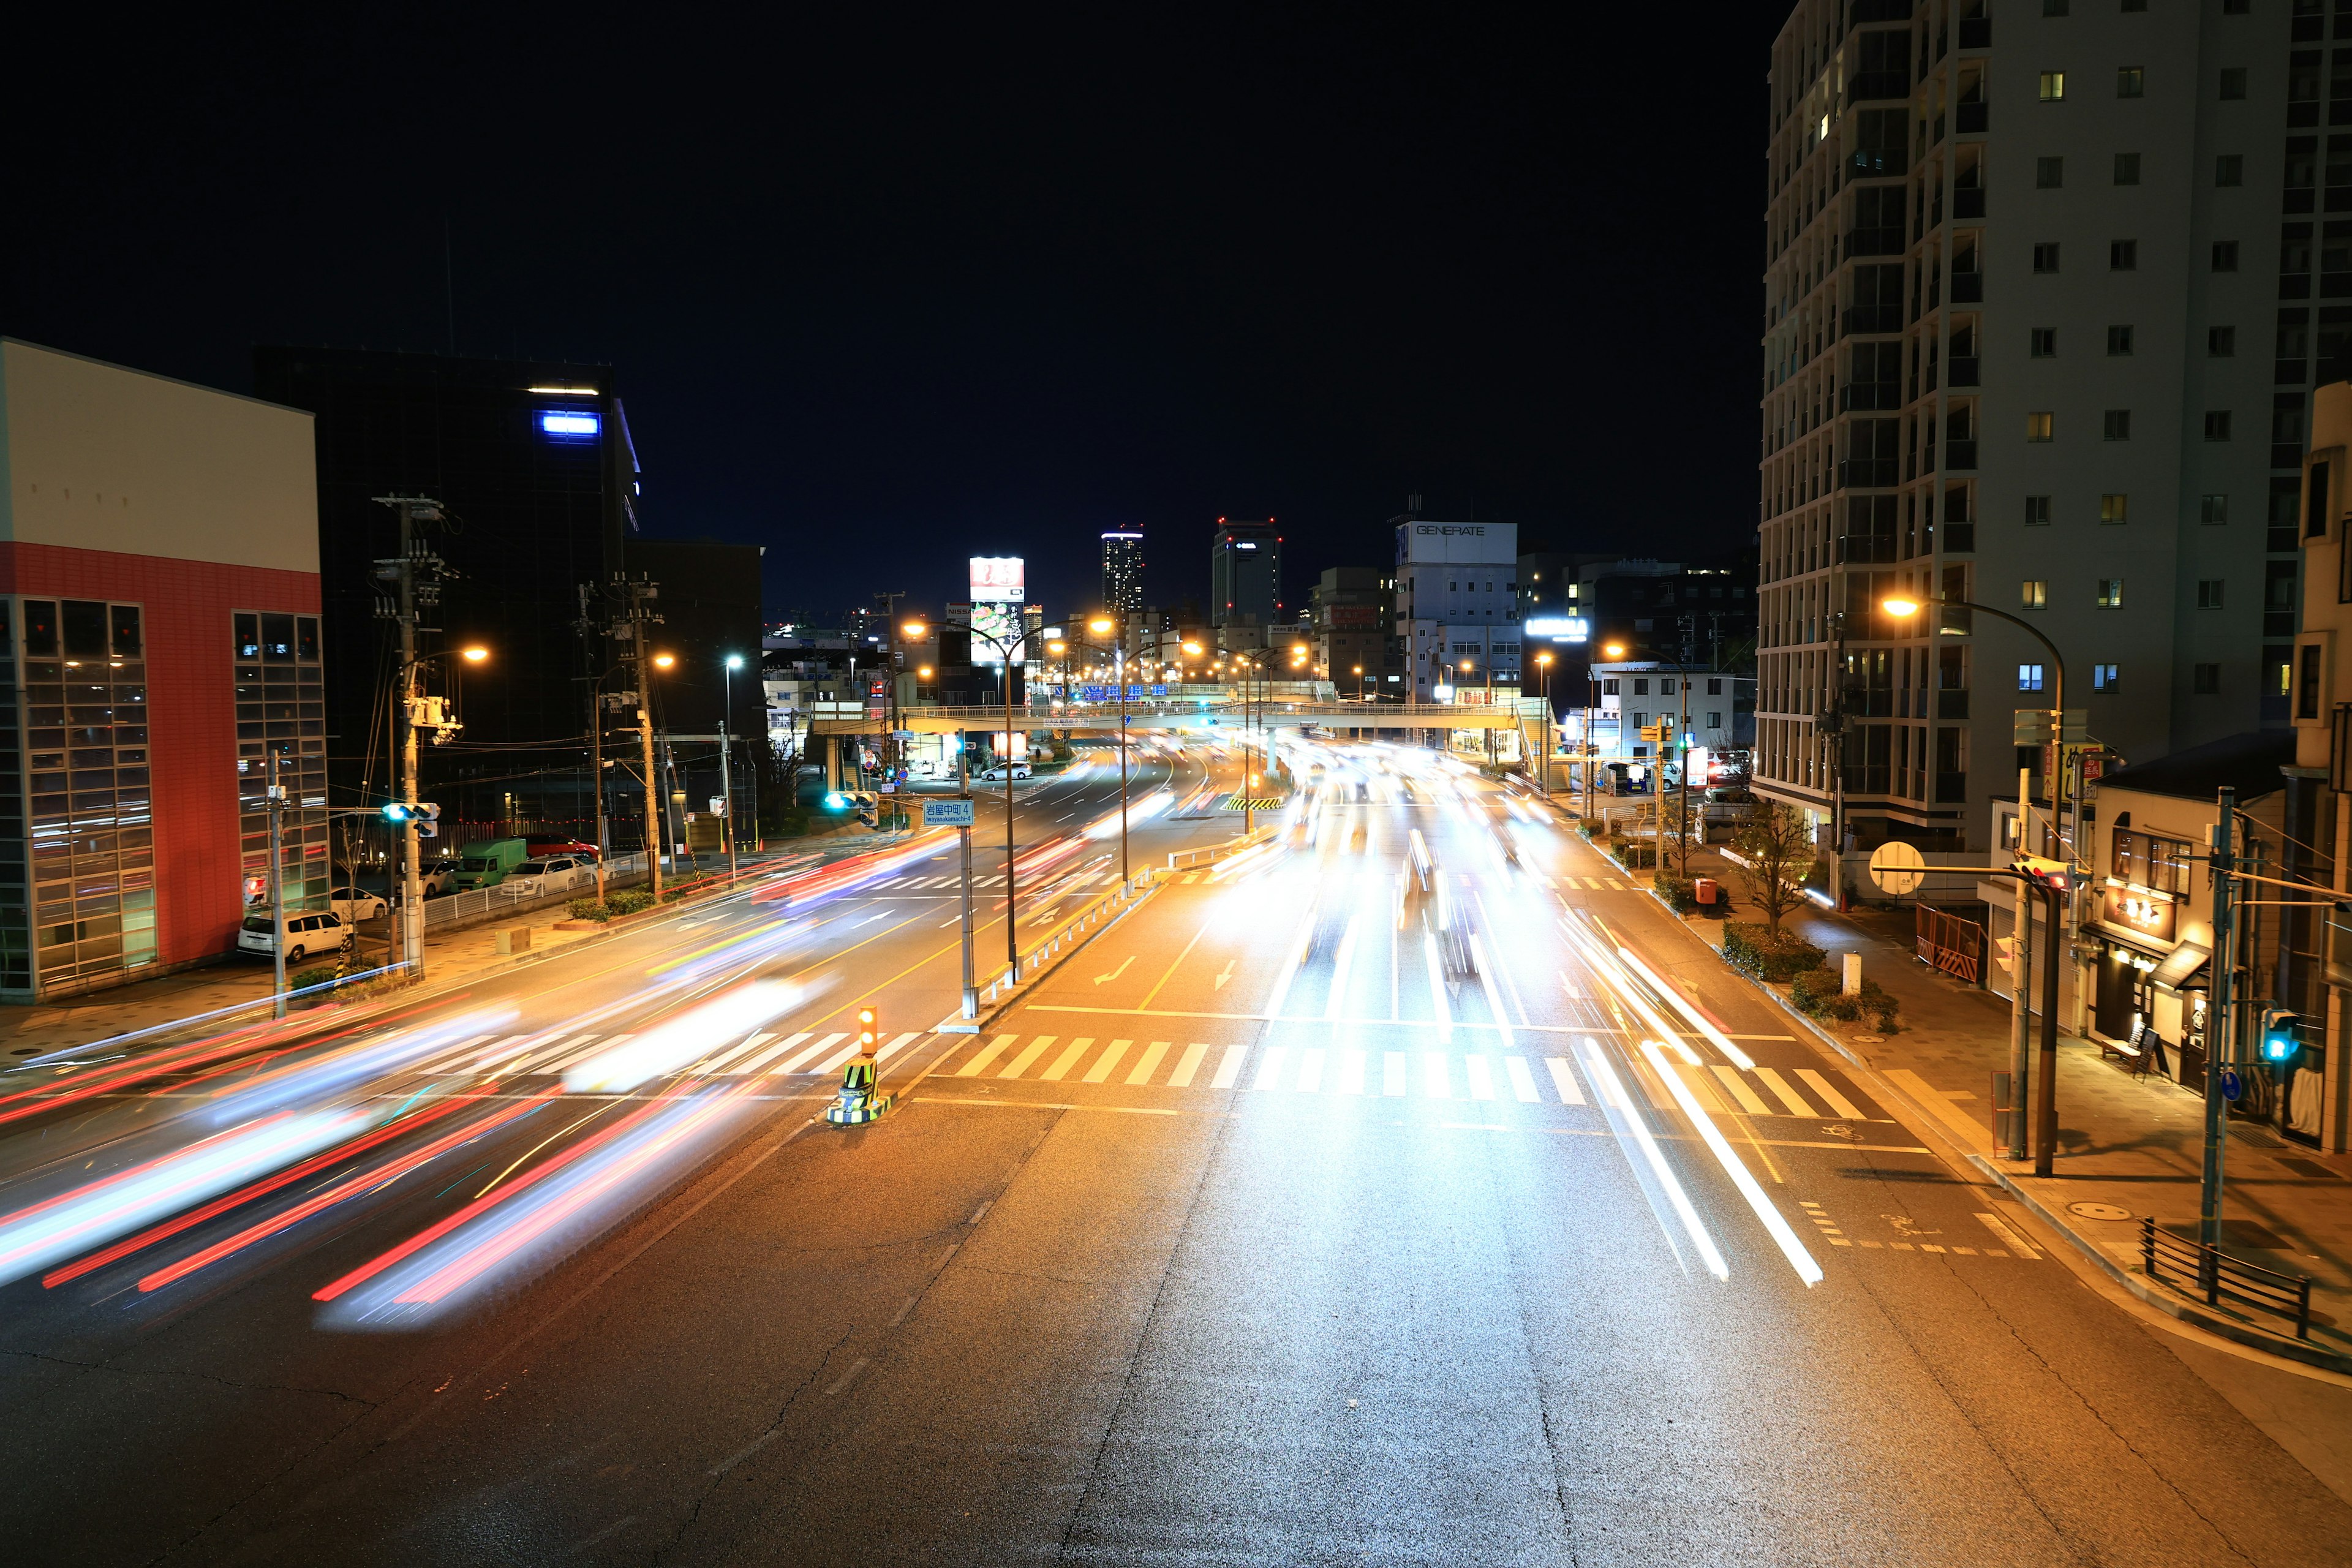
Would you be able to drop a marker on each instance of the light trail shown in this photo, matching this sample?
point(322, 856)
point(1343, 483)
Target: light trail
point(1791, 1248)
point(1615, 1097)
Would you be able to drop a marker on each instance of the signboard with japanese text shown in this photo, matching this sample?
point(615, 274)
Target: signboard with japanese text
point(997, 580)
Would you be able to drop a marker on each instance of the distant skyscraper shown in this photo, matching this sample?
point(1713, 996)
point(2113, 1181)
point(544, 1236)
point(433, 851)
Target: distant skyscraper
point(1244, 573)
point(1122, 572)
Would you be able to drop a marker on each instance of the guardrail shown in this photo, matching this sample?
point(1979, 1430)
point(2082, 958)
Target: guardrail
point(476, 903)
point(1185, 859)
point(2215, 1274)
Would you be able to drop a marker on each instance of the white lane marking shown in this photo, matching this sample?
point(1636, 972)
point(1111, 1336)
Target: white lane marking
point(2016, 1242)
point(1229, 1067)
point(1830, 1095)
point(972, 1069)
point(1436, 1083)
point(1310, 1071)
point(1482, 1075)
point(1736, 1087)
point(1392, 1073)
point(1029, 1054)
point(895, 1046)
point(1269, 1069)
point(1100, 1071)
point(1523, 1082)
point(1187, 1065)
point(790, 1042)
point(1068, 1059)
point(1339, 967)
point(1783, 1093)
point(1352, 1072)
point(1149, 1062)
point(1437, 987)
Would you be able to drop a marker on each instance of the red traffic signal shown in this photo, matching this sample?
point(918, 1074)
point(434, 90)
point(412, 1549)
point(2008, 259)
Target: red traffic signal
point(2055, 875)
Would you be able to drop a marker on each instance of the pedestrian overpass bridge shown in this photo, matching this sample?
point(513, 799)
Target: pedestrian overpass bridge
point(1197, 718)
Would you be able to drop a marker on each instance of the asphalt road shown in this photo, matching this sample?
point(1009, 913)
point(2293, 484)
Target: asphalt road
point(1355, 1203)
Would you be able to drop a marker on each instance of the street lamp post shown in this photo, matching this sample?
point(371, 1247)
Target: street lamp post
point(1613, 652)
point(2046, 1089)
point(411, 890)
point(726, 751)
point(1100, 626)
point(1543, 752)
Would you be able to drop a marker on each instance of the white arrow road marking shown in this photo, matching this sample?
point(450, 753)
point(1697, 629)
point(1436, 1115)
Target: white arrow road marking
point(1116, 972)
point(1228, 974)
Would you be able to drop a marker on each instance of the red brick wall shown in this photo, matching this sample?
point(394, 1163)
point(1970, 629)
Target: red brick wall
point(192, 726)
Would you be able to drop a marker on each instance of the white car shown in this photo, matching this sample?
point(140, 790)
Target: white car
point(556, 874)
point(353, 905)
point(304, 934)
point(997, 774)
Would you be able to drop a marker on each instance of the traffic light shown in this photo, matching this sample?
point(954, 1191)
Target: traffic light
point(2054, 875)
point(2278, 1043)
point(866, 1031)
point(424, 816)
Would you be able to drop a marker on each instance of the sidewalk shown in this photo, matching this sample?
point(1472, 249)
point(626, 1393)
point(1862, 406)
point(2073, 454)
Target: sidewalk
point(2127, 1147)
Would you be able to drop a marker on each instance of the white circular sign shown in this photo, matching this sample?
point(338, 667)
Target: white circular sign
point(1897, 868)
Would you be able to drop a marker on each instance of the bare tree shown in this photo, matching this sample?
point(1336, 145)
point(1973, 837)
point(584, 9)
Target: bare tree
point(1778, 848)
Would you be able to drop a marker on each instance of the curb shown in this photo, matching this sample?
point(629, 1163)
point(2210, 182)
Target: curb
point(991, 1012)
point(2294, 1352)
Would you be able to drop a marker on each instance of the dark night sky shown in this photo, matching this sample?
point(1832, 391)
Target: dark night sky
point(909, 289)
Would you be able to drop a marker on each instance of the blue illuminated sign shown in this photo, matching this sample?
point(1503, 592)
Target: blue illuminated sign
point(572, 424)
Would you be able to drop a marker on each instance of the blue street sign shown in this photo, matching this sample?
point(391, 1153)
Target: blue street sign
point(2231, 1085)
point(947, 812)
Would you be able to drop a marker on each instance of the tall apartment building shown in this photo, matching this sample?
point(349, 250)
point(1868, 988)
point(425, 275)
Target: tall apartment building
point(2021, 271)
point(1122, 573)
point(1244, 575)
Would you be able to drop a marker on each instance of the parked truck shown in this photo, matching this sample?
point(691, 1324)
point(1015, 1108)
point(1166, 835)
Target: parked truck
point(488, 863)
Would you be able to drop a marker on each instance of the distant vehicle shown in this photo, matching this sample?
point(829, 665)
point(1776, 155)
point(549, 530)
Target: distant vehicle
point(488, 863)
point(437, 877)
point(995, 773)
point(353, 905)
point(555, 874)
point(303, 934)
point(1730, 794)
point(542, 847)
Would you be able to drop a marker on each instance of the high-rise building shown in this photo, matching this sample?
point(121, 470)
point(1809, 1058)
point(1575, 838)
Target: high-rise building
point(1458, 617)
point(159, 639)
point(1351, 613)
point(1244, 575)
point(533, 465)
point(1122, 572)
point(2019, 275)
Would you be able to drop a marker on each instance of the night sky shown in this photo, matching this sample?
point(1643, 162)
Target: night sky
point(908, 290)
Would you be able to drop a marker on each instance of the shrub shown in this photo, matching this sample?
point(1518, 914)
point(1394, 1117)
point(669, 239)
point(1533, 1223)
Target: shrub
point(627, 902)
point(317, 974)
point(588, 909)
point(1822, 993)
point(1593, 827)
point(1633, 854)
point(1676, 890)
point(1768, 954)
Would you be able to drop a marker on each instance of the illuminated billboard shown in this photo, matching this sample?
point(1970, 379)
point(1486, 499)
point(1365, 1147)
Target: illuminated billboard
point(996, 579)
point(999, 621)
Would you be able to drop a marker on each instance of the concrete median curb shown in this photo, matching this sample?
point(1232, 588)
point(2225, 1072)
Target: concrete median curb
point(1078, 943)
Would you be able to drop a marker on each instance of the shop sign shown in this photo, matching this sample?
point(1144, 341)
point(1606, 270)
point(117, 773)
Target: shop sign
point(2142, 914)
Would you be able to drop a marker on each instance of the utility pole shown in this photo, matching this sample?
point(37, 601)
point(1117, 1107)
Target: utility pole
point(415, 575)
point(2021, 1017)
point(2220, 1034)
point(636, 592)
point(1682, 773)
point(963, 836)
point(275, 794)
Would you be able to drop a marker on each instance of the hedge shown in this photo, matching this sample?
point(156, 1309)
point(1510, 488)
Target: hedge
point(1822, 993)
point(1755, 949)
point(1677, 891)
point(1633, 854)
point(1593, 826)
point(317, 974)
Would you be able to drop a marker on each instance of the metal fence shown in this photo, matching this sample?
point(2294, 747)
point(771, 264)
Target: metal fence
point(2213, 1274)
point(484, 903)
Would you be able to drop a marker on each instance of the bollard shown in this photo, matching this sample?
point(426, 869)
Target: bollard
point(1853, 974)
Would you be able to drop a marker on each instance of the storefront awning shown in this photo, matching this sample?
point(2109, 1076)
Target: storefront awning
point(2183, 967)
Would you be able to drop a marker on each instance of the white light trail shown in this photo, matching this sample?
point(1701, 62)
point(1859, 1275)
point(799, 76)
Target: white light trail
point(1437, 986)
point(672, 1043)
point(1613, 1094)
point(1791, 1248)
point(1674, 998)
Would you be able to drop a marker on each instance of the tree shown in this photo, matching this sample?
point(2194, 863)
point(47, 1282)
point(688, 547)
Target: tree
point(1777, 847)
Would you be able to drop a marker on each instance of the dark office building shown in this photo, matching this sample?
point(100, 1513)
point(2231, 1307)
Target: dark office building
point(1244, 575)
point(710, 609)
point(533, 463)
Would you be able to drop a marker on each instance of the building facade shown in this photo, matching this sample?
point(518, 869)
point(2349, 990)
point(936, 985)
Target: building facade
point(1122, 573)
point(159, 578)
point(1244, 575)
point(1456, 586)
point(2019, 274)
point(1351, 620)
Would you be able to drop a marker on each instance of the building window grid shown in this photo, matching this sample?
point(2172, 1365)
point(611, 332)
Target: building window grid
point(280, 702)
point(80, 905)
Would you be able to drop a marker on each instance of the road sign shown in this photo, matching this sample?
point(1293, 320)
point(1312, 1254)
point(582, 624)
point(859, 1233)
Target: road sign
point(947, 812)
point(2232, 1085)
point(1897, 868)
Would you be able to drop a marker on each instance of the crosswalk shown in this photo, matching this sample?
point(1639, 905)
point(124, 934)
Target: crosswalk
point(1807, 1093)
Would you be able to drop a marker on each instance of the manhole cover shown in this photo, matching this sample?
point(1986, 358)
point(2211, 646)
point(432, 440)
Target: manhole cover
point(1870, 1039)
point(2098, 1211)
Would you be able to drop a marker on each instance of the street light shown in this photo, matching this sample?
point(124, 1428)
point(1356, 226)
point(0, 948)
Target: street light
point(1543, 764)
point(1613, 652)
point(727, 668)
point(1005, 649)
point(1103, 626)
